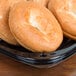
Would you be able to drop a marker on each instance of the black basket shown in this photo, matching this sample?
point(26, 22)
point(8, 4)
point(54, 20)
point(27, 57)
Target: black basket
point(40, 60)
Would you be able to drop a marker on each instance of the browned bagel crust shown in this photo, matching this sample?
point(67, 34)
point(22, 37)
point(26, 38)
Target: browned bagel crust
point(64, 11)
point(35, 27)
point(5, 33)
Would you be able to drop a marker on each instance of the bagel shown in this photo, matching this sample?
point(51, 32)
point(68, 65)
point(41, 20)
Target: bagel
point(64, 11)
point(5, 33)
point(35, 27)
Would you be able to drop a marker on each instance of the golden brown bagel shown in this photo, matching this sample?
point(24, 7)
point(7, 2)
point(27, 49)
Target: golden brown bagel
point(5, 33)
point(35, 27)
point(65, 12)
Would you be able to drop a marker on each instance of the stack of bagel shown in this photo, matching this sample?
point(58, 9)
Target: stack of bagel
point(37, 25)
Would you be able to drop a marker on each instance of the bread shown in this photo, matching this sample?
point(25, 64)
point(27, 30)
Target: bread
point(5, 33)
point(65, 11)
point(35, 27)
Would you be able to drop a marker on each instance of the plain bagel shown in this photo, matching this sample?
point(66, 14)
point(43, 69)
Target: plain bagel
point(5, 33)
point(35, 27)
point(65, 12)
